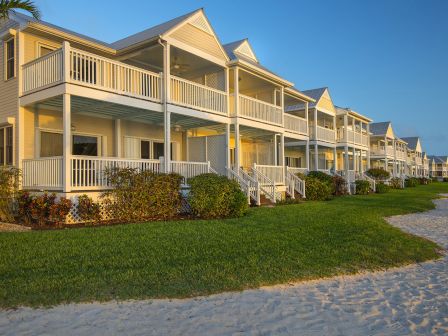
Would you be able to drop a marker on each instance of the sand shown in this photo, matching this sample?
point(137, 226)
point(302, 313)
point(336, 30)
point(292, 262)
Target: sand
point(410, 300)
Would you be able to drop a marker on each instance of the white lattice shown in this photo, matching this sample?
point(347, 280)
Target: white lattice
point(201, 23)
point(246, 50)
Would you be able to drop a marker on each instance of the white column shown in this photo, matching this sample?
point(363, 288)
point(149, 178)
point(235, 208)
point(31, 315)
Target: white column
point(282, 150)
point(276, 160)
point(345, 128)
point(67, 142)
point(118, 140)
point(66, 61)
point(167, 114)
point(316, 157)
point(368, 146)
point(307, 155)
point(315, 123)
point(19, 129)
point(335, 161)
point(236, 91)
point(346, 162)
point(237, 146)
point(228, 164)
point(394, 168)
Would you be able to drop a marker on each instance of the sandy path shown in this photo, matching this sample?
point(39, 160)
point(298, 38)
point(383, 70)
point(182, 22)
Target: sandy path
point(408, 300)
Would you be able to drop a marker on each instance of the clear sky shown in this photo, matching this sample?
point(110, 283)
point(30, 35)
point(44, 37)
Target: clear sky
point(387, 59)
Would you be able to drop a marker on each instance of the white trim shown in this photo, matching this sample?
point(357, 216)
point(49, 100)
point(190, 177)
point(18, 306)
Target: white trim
point(5, 59)
point(40, 44)
point(151, 148)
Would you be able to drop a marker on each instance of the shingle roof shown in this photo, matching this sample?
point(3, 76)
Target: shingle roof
point(379, 128)
point(412, 142)
point(151, 33)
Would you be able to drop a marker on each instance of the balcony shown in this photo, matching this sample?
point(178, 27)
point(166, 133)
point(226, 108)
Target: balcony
point(295, 124)
point(323, 134)
point(357, 138)
point(256, 110)
point(88, 173)
point(104, 74)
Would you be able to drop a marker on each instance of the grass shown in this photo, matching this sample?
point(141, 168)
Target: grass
point(189, 258)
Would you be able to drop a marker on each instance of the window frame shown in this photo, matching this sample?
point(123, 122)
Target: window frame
point(6, 60)
point(40, 45)
point(174, 145)
point(5, 162)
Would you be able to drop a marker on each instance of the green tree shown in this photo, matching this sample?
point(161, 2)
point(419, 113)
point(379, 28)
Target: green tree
point(9, 6)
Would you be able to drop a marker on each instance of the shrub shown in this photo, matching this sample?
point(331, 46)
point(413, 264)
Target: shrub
point(9, 188)
point(378, 174)
point(424, 181)
point(382, 188)
point(214, 196)
point(435, 179)
point(362, 187)
point(141, 195)
point(411, 182)
point(321, 176)
point(88, 210)
point(42, 210)
point(339, 185)
point(395, 183)
point(316, 190)
point(445, 179)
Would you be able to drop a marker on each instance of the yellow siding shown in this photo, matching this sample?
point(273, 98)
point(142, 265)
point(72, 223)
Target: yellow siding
point(326, 103)
point(199, 39)
point(31, 46)
point(8, 89)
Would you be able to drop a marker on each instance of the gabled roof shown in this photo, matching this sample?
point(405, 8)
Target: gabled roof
point(412, 142)
point(348, 110)
point(316, 94)
point(152, 32)
point(438, 159)
point(380, 128)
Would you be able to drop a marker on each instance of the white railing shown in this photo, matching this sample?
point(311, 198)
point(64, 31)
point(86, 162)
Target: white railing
point(89, 172)
point(295, 183)
point(190, 169)
point(295, 124)
point(296, 170)
point(100, 72)
point(267, 186)
point(44, 173)
point(248, 185)
point(365, 140)
point(42, 72)
point(352, 137)
point(198, 96)
point(324, 134)
point(258, 110)
point(274, 173)
point(372, 182)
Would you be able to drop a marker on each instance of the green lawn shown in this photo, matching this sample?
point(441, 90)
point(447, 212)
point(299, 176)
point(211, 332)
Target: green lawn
point(188, 258)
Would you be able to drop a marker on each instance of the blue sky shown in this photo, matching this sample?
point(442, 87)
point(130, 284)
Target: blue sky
point(387, 59)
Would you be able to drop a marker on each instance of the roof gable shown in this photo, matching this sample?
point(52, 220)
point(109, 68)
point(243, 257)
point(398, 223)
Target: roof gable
point(414, 143)
point(382, 128)
point(322, 98)
point(246, 50)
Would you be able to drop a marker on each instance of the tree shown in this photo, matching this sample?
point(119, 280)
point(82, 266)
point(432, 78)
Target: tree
point(9, 6)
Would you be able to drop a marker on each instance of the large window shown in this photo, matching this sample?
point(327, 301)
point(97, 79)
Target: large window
point(51, 144)
point(10, 59)
point(6, 146)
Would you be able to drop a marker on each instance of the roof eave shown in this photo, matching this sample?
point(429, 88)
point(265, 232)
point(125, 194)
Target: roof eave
point(300, 95)
point(261, 71)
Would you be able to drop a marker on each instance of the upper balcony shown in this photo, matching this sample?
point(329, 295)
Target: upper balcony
point(322, 134)
point(90, 70)
point(359, 138)
point(382, 151)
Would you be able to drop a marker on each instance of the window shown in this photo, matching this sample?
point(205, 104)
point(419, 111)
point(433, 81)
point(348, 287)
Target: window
point(6, 146)
point(85, 145)
point(50, 144)
point(44, 50)
point(10, 59)
point(145, 152)
point(158, 150)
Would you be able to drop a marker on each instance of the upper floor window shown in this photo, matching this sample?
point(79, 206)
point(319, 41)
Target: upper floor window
point(44, 49)
point(10, 59)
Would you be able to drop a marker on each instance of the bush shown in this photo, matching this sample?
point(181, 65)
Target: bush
point(435, 179)
point(214, 196)
point(378, 174)
point(362, 187)
point(382, 188)
point(395, 183)
point(9, 188)
point(324, 177)
point(141, 195)
point(42, 210)
point(316, 190)
point(88, 210)
point(339, 186)
point(445, 179)
point(424, 181)
point(411, 182)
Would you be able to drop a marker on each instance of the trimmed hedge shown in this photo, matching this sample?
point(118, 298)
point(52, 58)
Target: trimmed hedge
point(378, 173)
point(317, 190)
point(424, 180)
point(411, 182)
point(382, 188)
point(214, 196)
point(395, 183)
point(362, 187)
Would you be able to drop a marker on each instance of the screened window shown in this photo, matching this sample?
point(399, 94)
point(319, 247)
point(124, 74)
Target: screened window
point(50, 144)
point(6, 146)
point(10, 59)
point(85, 145)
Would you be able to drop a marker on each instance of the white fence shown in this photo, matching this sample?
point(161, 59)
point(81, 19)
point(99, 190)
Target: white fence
point(198, 96)
point(43, 173)
point(274, 173)
point(324, 134)
point(190, 169)
point(258, 110)
point(295, 124)
point(43, 72)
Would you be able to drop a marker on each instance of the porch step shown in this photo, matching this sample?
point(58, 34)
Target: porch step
point(264, 201)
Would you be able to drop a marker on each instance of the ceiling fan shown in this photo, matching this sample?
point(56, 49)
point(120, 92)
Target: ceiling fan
point(177, 67)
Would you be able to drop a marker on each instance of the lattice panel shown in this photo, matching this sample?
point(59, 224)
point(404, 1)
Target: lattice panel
point(246, 50)
point(216, 153)
point(196, 149)
point(216, 80)
point(201, 23)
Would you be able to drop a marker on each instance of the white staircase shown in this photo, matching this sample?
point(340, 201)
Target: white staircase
point(267, 186)
point(247, 183)
point(294, 184)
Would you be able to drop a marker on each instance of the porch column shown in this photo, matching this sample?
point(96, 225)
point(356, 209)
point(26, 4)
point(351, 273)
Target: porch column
point(117, 135)
point(368, 146)
point(19, 138)
point(346, 162)
point(394, 168)
point(237, 146)
point(167, 113)
point(276, 154)
point(227, 148)
point(67, 142)
point(316, 157)
point(315, 123)
point(335, 161)
point(345, 128)
point(282, 150)
point(307, 155)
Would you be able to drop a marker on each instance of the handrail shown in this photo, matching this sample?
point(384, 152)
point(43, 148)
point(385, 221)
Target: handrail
point(298, 183)
point(254, 185)
point(266, 184)
point(295, 123)
point(42, 58)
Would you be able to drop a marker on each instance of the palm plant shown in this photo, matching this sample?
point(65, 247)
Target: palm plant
point(9, 6)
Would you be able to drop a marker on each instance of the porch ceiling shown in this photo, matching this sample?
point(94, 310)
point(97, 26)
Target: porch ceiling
point(101, 109)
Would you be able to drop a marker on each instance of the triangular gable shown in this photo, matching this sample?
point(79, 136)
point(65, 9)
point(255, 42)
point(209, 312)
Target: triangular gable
point(390, 132)
point(418, 146)
point(245, 49)
point(325, 103)
point(197, 33)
